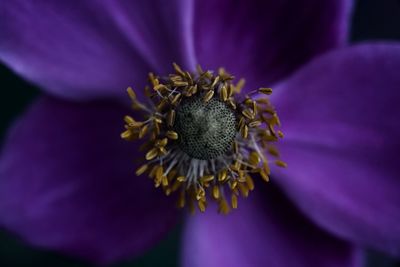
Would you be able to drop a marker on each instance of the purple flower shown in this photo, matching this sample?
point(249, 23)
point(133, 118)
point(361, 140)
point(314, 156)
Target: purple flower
point(67, 180)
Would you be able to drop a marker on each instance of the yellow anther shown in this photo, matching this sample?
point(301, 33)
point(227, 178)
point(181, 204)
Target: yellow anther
point(208, 96)
point(175, 99)
point(232, 103)
point(239, 86)
point(255, 123)
point(172, 135)
point(175, 186)
point(224, 93)
point(264, 176)
point(159, 172)
point(215, 192)
point(172, 174)
point(234, 201)
point(242, 122)
point(129, 119)
point(244, 131)
point(153, 171)
point(194, 89)
point(223, 206)
point(178, 69)
point(254, 158)
point(157, 120)
point(178, 83)
point(164, 180)
point(171, 117)
point(222, 176)
point(136, 124)
point(266, 168)
point(235, 147)
point(143, 131)
point(160, 87)
point(153, 80)
point(157, 182)
point(126, 135)
point(163, 142)
point(152, 154)
point(207, 178)
point(181, 179)
point(250, 182)
point(216, 80)
point(280, 163)
point(162, 151)
point(160, 106)
point(244, 190)
point(202, 205)
point(199, 69)
point(273, 151)
point(131, 93)
point(200, 193)
point(248, 114)
point(266, 91)
point(254, 107)
point(142, 169)
point(230, 90)
point(242, 177)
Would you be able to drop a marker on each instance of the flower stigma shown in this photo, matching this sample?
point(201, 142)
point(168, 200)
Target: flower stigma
point(203, 138)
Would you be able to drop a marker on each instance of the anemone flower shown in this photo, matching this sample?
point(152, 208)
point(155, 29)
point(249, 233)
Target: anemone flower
point(67, 179)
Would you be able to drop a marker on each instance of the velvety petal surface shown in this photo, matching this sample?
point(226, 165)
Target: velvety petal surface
point(266, 230)
point(265, 40)
point(341, 116)
point(67, 183)
point(88, 48)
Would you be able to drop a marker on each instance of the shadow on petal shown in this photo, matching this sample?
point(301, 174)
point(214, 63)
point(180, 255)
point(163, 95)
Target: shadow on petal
point(68, 184)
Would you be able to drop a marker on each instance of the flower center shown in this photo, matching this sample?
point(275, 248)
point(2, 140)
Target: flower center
point(206, 130)
point(204, 139)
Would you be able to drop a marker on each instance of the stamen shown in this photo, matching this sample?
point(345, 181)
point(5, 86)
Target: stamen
point(202, 138)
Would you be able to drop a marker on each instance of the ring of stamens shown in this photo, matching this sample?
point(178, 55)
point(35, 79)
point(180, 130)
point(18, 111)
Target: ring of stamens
point(185, 155)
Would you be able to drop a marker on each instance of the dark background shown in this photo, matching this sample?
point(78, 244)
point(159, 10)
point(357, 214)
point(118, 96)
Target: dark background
point(372, 20)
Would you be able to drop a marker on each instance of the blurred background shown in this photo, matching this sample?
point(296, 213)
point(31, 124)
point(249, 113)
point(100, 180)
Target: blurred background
point(372, 20)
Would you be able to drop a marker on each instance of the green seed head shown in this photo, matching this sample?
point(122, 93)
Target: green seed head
point(206, 130)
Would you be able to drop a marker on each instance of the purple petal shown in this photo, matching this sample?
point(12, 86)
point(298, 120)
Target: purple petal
point(68, 184)
point(263, 41)
point(265, 231)
point(341, 118)
point(94, 48)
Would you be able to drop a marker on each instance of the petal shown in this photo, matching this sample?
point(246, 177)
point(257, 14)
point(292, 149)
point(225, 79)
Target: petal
point(265, 231)
point(263, 41)
point(94, 48)
point(340, 115)
point(68, 184)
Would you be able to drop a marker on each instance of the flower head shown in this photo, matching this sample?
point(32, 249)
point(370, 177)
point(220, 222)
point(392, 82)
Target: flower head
point(204, 137)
